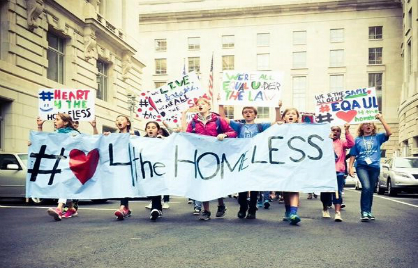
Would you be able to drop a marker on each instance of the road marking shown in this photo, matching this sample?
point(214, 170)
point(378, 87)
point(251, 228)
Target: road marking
point(388, 198)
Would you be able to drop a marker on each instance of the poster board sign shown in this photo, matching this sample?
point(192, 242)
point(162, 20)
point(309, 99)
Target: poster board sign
point(251, 88)
point(348, 106)
point(79, 103)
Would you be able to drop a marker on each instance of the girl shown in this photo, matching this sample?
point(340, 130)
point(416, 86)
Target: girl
point(124, 126)
point(340, 146)
point(291, 199)
point(63, 124)
point(210, 124)
point(366, 151)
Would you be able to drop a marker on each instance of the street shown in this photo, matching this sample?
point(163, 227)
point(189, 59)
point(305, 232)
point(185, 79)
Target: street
point(31, 238)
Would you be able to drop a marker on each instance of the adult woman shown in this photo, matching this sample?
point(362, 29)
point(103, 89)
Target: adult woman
point(366, 152)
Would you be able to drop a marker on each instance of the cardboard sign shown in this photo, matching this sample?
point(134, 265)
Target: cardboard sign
point(79, 103)
point(348, 106)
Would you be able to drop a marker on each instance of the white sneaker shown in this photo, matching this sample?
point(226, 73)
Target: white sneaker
point(149, 206)
point(325, 214)
point(166, 205)
point(338, 216)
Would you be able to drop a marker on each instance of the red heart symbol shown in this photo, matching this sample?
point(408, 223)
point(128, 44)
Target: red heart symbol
point(369, 91)
point(84, 166)
point(346, 116)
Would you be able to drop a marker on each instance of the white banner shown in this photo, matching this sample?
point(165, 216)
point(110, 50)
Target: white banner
point(79, 103)
point(290, 157)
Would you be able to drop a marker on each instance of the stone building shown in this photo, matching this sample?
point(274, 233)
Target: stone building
point(321, 46)
point(408, 109)
point(65, 44)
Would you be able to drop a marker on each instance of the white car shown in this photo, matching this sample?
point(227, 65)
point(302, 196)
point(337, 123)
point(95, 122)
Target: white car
point(398, 174)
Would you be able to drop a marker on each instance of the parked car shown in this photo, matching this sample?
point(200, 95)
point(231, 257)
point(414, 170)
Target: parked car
point(13, 172)
point(398, 174)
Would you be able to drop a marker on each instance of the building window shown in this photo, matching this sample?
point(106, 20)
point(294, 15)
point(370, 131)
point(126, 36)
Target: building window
point(375, 55)
point(263, 39)
point(229, 112)
point(55, 56)
point(299, 92)
point(263, 112)
point(228, 41)
point(299, 37)
point(409, 58)
point(375, 80)
point(337, 35)
point(228, 62)
point(160, 45)
point(160, 66)
point(376, 32)
point(102, 69)
point(299, 59)
point(194, 64)
point(336, 58)
point(263, 62)
point(159, 84)
point(194, 43)
point(336, 82)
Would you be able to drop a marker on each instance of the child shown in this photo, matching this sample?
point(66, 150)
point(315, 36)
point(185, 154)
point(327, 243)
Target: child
point(63, 124)
point(366, 152)
point(291, 199)
point(248, 130)
point(210, 124)
point(340, 147)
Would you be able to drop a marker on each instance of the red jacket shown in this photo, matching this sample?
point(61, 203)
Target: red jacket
point(209, 129)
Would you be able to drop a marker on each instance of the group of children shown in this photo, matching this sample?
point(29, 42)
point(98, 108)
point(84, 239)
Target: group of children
point(365, 148)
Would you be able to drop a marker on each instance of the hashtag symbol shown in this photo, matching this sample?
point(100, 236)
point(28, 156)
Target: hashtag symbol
point(46, 95)
point(41, 155)
point(324, 108)
point(143, 103)
point(324, 118)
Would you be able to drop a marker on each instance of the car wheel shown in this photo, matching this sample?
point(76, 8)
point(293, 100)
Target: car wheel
point(380, 191)
point(391, 191)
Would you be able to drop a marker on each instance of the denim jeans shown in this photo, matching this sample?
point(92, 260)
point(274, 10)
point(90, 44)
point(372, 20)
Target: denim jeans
point(328, 198)
point(197, 204)
point(368, 177)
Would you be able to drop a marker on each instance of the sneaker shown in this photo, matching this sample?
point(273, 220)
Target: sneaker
point(286, 216)
point(342, 205)
point(294, 219)
point(196, 211)
point(155, 214)
point(315, 195)
point(325, 214)
point(370, 216)
point(204, 215)
point(55, 212)
point(337, 217)
point(260, 204)
point(251, 214)
point(242, 213)
point(266, 205)
point(121, 214)
point(364, 217)
point(70, 213)
point(149, 206)
point(189, 201)
point(281, 200)
point(221, 211)
point(166, 205)
point(309, 196)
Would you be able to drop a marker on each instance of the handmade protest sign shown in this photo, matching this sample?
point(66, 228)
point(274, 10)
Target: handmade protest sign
point(79, 103)
point(167, 102)
point(251, 88)
point(348, 106)
point(290, 157)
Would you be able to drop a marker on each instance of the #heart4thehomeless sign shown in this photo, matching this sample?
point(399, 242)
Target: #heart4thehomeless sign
point(348, 106)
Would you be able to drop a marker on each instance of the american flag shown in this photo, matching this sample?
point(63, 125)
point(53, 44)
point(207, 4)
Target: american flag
point(211, 80)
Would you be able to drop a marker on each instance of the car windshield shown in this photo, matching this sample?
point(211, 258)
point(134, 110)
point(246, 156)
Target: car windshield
point(24, 158)
point(406, 163)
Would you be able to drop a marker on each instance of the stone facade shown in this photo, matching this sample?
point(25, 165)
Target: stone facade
point(87, 37)
point(408, 109)
point(211, 20)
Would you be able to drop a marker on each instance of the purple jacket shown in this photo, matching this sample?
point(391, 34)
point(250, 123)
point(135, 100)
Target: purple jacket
point(209, 129)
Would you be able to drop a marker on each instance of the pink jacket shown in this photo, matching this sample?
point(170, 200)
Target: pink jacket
point(209, 129)
point(340, 146)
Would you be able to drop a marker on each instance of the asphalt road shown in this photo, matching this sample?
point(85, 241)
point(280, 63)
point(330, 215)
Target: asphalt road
point(30, 238)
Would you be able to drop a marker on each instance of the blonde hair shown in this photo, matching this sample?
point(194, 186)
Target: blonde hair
point(360, 130)
point(202, 99)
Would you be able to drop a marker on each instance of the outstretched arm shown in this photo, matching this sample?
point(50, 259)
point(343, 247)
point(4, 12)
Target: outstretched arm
point(40, 123)
point(278, 115)
point(94, 126)
point(385, 125)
